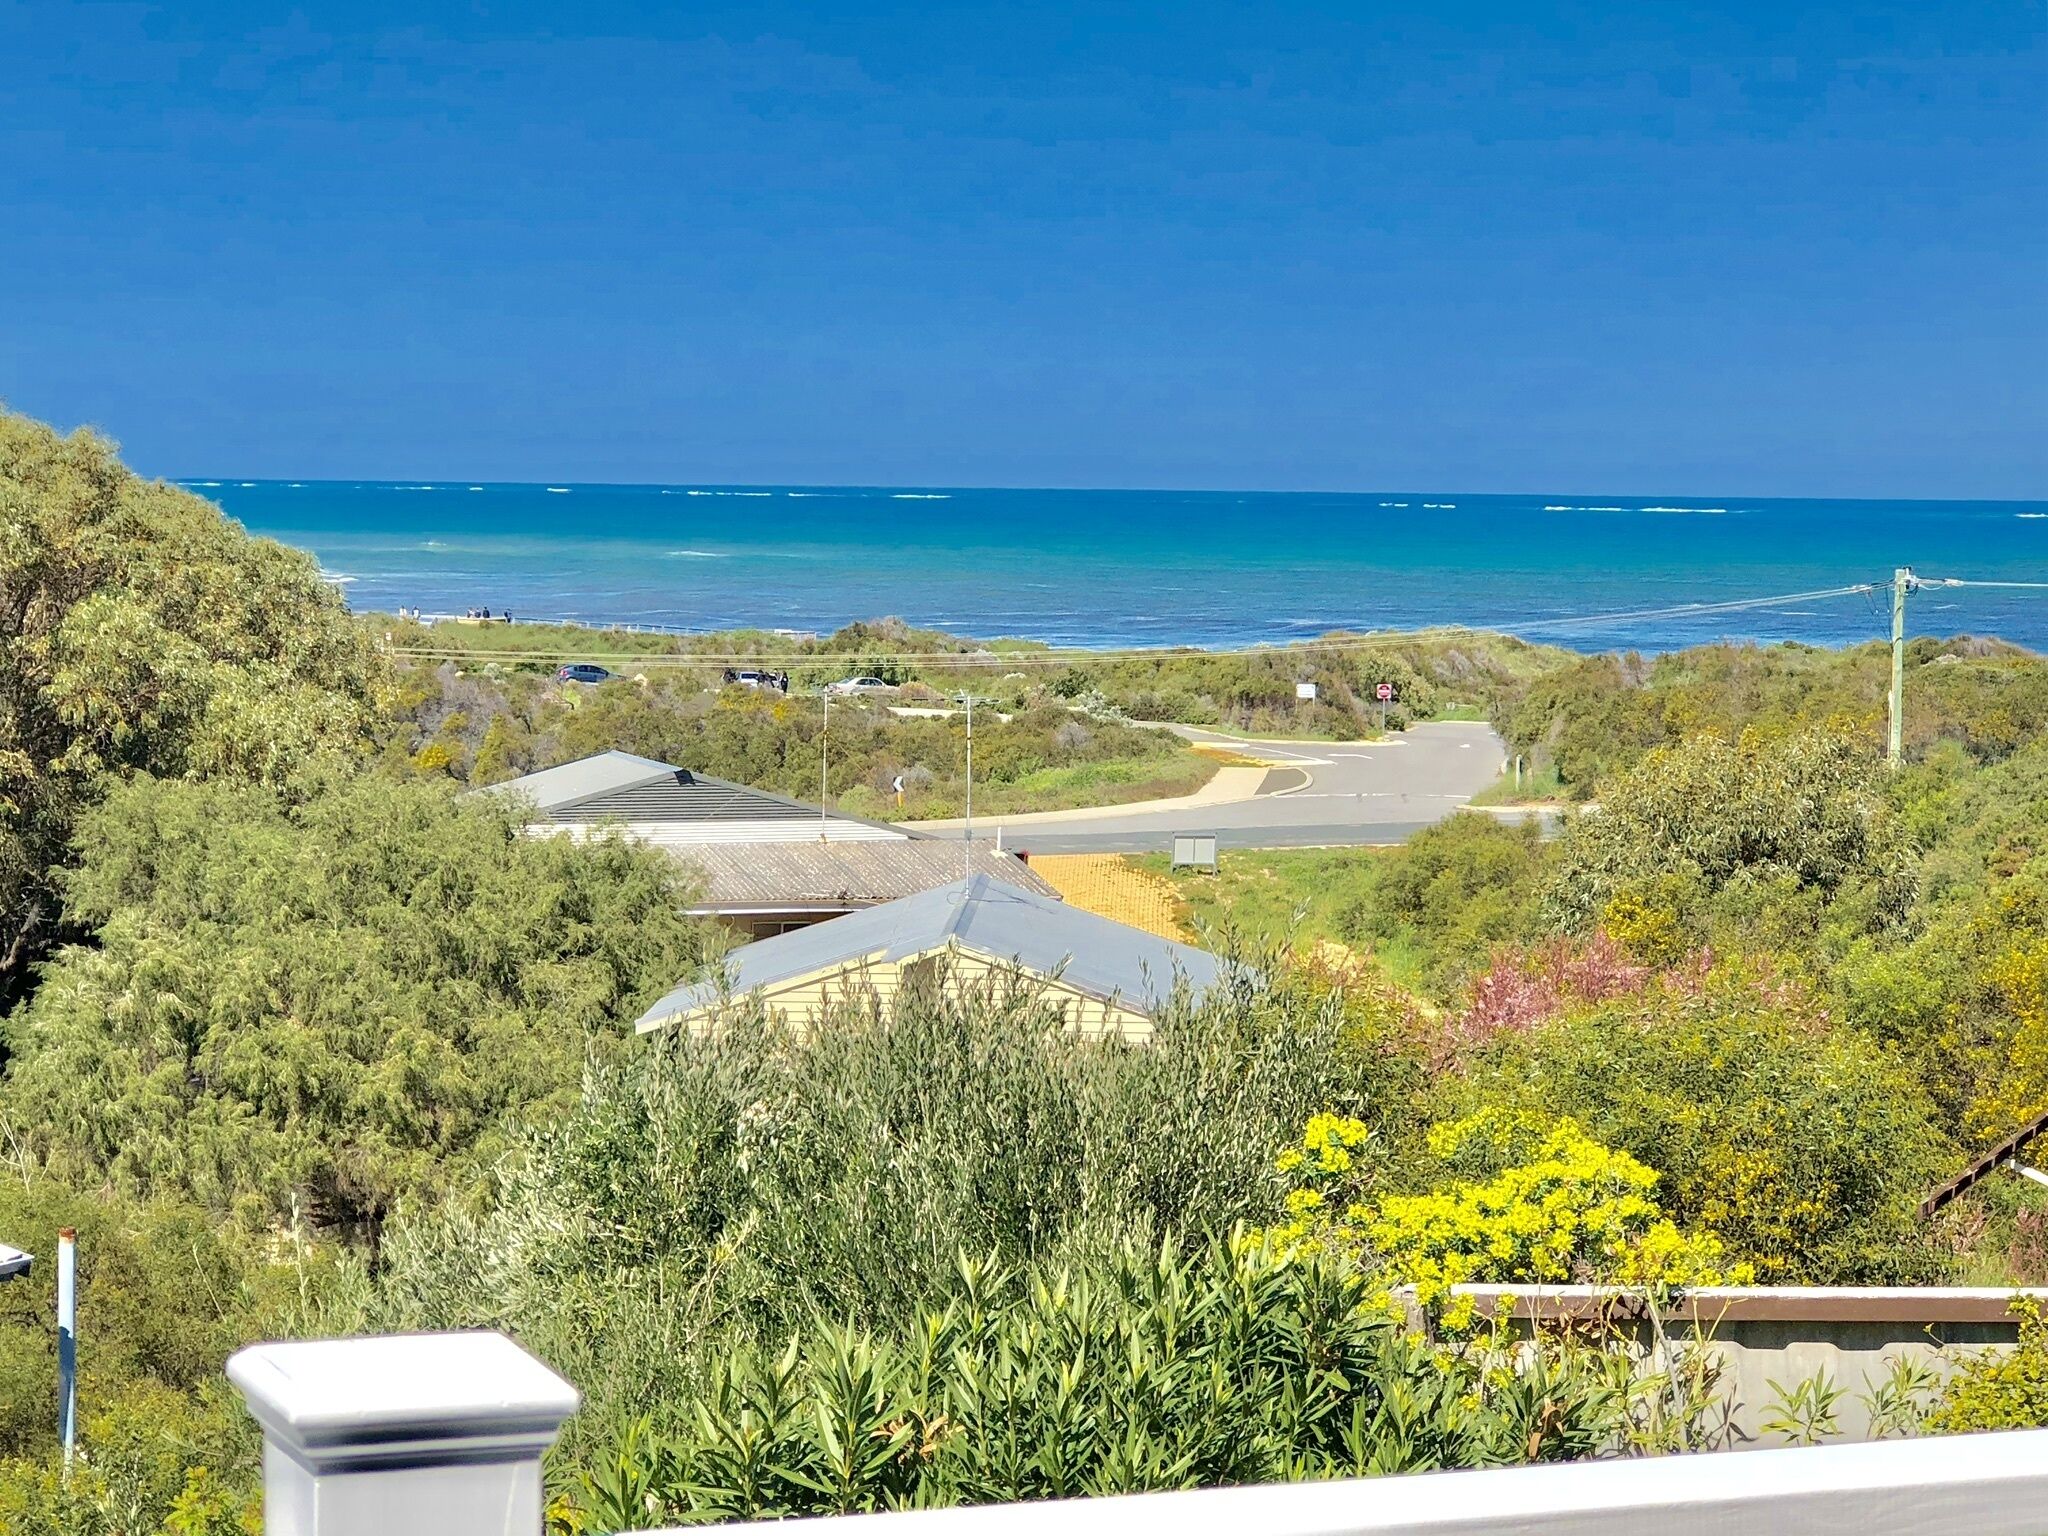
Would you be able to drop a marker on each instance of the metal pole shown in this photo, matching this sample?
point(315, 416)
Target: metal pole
point(67, 1341)
point(1902, 580)
point(967, 833)
point(825, 769)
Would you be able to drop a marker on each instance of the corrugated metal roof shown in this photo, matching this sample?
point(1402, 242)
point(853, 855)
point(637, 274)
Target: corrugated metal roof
point(767, 876)
point(618, 786)
point(988, 916)
point(568, 782)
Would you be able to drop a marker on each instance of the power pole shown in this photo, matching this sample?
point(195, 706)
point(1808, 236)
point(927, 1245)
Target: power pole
point(967, 834)
point(1902, 583)
point(825, 771)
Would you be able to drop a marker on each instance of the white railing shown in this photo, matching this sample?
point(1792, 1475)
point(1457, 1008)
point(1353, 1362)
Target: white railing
point(442, 1435)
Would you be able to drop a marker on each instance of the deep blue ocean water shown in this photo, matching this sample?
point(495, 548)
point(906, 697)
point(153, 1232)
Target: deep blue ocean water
point(1123, 568)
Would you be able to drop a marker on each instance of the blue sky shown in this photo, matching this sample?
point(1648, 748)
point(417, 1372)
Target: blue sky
point(1758, 249)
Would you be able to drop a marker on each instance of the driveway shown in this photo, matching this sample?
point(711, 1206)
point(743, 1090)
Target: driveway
point(1313, 794)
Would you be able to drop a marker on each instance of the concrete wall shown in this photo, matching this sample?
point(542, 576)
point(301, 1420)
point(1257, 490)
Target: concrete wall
point(1766, 1340)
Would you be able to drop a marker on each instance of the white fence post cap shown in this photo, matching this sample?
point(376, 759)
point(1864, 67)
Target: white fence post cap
point(337, 1405)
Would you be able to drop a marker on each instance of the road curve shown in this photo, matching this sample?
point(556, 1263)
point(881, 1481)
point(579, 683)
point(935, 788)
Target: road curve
point(1316, 794)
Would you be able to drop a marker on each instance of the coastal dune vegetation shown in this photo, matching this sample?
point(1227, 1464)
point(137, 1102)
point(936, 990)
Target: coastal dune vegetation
point(303, 1041)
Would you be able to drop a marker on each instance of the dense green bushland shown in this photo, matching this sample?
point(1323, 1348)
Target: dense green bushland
point(1596, 715)
point(1458, 672)
point(484, 728)
point(758, 1181)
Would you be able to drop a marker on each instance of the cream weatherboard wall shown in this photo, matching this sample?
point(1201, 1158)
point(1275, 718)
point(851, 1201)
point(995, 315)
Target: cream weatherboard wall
point(805, 1000)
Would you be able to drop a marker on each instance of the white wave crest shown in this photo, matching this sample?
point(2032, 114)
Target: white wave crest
point(694, 554)
point(919, 496)
point(558, 490)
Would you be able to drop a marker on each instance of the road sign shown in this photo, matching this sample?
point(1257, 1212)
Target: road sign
point(1304, 690)
point(1384, 693)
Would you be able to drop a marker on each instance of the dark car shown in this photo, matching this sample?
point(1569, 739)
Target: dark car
point(580, 672)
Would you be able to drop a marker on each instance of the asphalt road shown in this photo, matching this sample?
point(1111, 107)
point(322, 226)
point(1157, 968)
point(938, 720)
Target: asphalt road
point(1317, 794)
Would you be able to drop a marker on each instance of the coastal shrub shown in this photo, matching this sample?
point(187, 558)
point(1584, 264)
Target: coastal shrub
point(1802, 1143)
point(1590, 718)
point(1515, 1199)
point(1138, 1372)
point(331, 1001)
point(1754, 820)
point(1999, 1389)
point(760, 1177)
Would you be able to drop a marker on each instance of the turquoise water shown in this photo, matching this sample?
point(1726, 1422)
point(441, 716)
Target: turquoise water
point(1119, 568)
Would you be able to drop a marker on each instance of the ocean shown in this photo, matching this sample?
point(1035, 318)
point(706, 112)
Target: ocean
point(1149, 568)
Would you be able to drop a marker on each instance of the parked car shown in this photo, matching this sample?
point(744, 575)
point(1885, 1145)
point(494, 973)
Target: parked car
point(858, 686)
point(581, 672)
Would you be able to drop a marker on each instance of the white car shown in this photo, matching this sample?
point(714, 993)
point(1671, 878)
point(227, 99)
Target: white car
point(858, 686)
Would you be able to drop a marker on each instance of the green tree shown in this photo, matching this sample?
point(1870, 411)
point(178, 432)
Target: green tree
point(335, 999)
point(141, 631)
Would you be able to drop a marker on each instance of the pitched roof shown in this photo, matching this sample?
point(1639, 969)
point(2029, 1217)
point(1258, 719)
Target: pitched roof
point(623, 787)
point(808, 875)
point(988, 916)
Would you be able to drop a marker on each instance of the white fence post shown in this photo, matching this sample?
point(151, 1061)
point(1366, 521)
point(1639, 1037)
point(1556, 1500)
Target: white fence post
point(436, 1434)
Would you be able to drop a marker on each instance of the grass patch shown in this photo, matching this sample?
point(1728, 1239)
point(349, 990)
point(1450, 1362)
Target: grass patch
point(1538, 786)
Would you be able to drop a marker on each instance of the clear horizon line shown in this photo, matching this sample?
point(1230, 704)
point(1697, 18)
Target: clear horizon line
point(223, 481)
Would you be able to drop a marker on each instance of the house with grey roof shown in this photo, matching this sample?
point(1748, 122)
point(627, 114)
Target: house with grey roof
point(1108, 977)
point(762, 863)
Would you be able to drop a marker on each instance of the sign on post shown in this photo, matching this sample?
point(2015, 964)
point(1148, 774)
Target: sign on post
point(1304, 690)
point(1384, 693)
point(1195, 850)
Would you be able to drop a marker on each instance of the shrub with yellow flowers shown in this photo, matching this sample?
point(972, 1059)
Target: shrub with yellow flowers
point(1528, 1201)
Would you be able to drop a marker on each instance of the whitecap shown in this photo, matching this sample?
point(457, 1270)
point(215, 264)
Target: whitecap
point(2030, 514)
point(694, 554)
point(247, 485)
point(919, 496)
point(1547, 509)
point(476, 487)
point(1702, 511)
point(336, 578)
point(558, 490)
point(206, 482)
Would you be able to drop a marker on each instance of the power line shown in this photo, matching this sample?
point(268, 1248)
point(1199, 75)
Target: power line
point(1683, 609)
point(1959, 581)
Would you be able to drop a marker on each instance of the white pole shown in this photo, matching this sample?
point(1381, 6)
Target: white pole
point(967, 834)
point(824, 768)
point(67, 1341)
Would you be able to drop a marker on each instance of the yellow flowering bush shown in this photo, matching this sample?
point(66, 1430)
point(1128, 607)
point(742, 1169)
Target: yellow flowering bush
point(1529, 1202)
